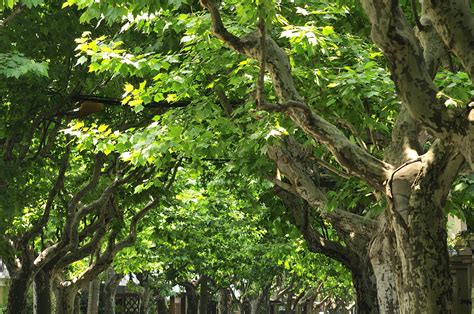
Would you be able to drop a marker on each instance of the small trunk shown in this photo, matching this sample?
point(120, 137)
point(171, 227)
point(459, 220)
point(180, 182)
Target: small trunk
point(384, 263)
point(191, 299)
point(366, 293)
point(93, 297)
point(365, 285)
point(77, 304)
point(17, 294)
point(289, 304)
point(65, 300)
point(224, 301)
point(254, 306)
point(43, 286)
point(110, 290)
point(204, 296)
point(145, 299)
point(161, 305)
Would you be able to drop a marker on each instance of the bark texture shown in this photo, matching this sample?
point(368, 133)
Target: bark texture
point(93, 297)
point(110, 289)
point(66, 300)
point(204, 295)
point(17, 294)
point(224, 300)
point(406, 245)
point(43, 290)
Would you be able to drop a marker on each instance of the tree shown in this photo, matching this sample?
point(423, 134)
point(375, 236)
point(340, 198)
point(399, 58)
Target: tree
point(347, 151)
point(415, 182)
point(58, 201)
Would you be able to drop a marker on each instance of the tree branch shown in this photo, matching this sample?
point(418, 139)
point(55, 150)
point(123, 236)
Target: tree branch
point(219, 29)
point(350, 156)
point(292, 161)
point(316, 242)
point(41, 222)
point(454, 22)
point(392, 33)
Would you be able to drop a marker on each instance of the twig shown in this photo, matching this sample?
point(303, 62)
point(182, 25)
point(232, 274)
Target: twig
point(219, 29)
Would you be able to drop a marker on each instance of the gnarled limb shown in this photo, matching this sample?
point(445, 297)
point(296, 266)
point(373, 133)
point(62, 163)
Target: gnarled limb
point(392, 33)
point(316, 241)
point(454, 22)
point(352, 157)
point(292, 160)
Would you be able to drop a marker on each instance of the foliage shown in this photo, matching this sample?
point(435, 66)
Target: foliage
point(173, 92)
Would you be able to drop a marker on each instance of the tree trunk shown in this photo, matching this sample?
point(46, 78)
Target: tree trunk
point(289, 304)
point(161, 305)
point(43, 292)
point(417, 221)
point(224, 301)
point(110, 290)
point(93, 297)
point(365, 286)
point(77, 303)
point(191, 298)
point(17, 294)
point(384, 260)
point(65, 300)
point(204, 296)
point(424, 280)
point(254, 304)
point(145, 299)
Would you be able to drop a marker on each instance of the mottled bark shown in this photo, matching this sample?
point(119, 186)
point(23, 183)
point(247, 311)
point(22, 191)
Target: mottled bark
point(17, 294)
point(110, 289)
point(93, 297)
point(65, 300)
point(43, 290)
point(224, 300)
point(384, 264)
point(365, 285)
point(454, 22)
point(204, 295)
point(192, 301)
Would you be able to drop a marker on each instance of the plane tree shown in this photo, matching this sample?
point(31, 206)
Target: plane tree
point(404, 155)
point(367, 139)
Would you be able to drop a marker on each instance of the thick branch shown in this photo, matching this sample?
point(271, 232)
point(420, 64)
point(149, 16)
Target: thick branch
point(404, 145)
point(316, 242)
point(94, 180)
point(350, 156)
point(393, 34)
point(304, 178)
point(219, 29)
point(454, 22)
